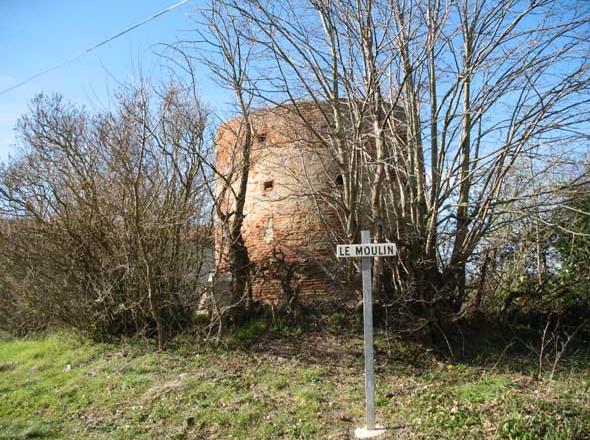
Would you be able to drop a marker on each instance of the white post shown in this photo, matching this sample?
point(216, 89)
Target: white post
point(366, 250)
point(368, 330)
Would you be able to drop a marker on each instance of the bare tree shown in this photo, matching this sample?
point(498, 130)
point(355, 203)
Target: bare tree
point(223, 49)
point(441, 100)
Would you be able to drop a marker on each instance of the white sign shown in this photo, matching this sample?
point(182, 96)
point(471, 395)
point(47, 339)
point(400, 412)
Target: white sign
point(366, 250)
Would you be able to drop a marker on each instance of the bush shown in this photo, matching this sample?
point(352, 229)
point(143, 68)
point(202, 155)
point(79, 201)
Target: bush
point(105, 226)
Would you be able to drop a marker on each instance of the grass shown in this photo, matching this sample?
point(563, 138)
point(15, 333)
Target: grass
point(294, 386)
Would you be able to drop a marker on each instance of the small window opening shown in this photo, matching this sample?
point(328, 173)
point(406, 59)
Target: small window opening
point(339, 180)
point(261, 138)
point(268, 185)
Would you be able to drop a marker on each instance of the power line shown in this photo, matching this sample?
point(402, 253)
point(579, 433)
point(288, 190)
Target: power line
point(93, 48)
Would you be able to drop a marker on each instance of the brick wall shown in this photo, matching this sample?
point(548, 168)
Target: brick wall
point(288, 165)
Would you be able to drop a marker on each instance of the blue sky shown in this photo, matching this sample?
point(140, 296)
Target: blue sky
point(37, 34)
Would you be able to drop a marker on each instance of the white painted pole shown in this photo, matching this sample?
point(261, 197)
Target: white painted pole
point(368, 329)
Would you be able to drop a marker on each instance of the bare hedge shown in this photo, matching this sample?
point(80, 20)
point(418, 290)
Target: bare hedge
point(104, 216)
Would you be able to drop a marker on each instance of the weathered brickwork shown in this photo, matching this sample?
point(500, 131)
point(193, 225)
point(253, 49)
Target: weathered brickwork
point(282, 228)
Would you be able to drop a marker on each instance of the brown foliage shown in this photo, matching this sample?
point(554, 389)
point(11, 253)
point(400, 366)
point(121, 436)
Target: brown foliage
point(101, 216)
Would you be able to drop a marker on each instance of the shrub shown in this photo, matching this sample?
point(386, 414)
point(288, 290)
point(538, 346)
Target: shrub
point(105, 226)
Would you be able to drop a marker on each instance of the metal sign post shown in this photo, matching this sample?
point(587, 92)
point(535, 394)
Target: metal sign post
point(368, 331)
point(366, 251)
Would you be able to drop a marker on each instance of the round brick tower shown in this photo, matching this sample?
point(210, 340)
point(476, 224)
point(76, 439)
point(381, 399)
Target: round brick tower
point(287, 227)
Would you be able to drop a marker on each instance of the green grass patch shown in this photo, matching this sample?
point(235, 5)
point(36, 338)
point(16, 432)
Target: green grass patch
point(483, 390)
point(297, 386)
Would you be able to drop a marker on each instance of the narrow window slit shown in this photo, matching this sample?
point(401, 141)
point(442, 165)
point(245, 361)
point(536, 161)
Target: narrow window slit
point(268, 185)
point(261, 138)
